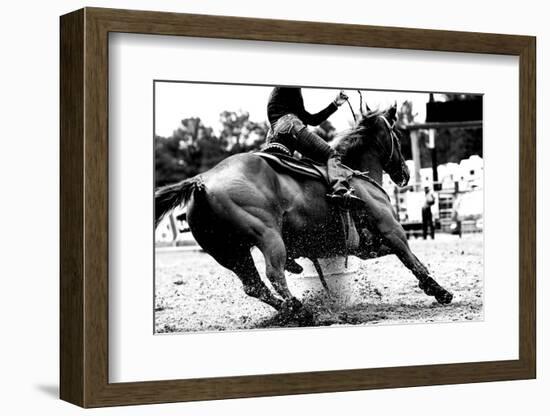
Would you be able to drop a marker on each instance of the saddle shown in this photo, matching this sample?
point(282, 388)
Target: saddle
point(280, 159)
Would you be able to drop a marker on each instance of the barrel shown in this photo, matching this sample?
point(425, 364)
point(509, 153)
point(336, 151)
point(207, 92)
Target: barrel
point(340, 275)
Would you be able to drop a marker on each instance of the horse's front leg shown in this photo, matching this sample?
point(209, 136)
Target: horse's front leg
point(371, 246)
point(381, 251)
point(396, 240)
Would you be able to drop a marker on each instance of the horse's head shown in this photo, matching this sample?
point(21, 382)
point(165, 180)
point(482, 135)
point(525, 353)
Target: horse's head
point(395, 164)
point(380, 129)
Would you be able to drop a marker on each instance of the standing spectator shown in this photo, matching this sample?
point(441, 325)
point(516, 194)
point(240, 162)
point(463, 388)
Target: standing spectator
point(427, 220)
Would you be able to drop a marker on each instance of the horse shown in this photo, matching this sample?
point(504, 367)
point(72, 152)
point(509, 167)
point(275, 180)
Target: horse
point(242, 203)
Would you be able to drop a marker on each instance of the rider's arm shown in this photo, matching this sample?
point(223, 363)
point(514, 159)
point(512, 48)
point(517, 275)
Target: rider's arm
point(317, 118)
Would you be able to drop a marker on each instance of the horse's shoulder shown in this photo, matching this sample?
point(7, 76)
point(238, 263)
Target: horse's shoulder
point(370, 190)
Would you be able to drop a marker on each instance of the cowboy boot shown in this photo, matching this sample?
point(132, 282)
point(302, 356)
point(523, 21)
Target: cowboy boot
point(343, 194)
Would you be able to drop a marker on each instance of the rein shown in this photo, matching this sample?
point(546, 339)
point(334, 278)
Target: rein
point(364, 176)
point(352, 112)
point(393, 138)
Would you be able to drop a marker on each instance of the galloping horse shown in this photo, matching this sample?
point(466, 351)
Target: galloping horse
point(243, 202)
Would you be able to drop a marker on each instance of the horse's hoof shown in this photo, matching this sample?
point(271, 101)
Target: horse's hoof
point(432, 288)
point(444, 298)
point(293, 267)
point(294, 311)
point(291, 305)
point(289, 309)
point(428, 287)
point(304, 317)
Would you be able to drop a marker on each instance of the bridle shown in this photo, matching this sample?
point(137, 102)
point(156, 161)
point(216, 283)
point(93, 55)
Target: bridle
point(393, 137)
point(389, 126)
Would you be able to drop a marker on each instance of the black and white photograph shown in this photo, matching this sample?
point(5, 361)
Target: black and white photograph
point(281, 206)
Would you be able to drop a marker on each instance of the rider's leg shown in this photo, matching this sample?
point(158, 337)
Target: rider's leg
point(313, 146)
point(339, 177)
point(309, 143)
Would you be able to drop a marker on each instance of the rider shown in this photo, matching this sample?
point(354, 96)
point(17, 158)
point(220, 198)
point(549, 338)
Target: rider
point(289, 120)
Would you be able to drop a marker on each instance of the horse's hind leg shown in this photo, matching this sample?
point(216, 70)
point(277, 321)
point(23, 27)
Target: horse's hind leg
point(245, 269)
point(274, 251)
point(273, 248)
point(397, 241)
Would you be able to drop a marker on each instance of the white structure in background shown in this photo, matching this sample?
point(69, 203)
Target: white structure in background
point(455, 179)
point(174, 232)
point(468, 173)
point(164, 233)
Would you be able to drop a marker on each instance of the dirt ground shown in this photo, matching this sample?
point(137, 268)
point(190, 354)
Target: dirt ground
point(194, 293)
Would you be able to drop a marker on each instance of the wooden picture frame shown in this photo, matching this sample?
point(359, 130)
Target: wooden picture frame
point(84, 207)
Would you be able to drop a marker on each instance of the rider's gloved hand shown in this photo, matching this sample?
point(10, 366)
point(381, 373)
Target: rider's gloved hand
point(340, 98)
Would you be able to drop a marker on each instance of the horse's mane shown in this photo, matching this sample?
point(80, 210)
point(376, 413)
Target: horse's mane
point(351, 143)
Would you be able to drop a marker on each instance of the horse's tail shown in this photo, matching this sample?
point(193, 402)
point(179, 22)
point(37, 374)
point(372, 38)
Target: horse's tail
point(170, 196)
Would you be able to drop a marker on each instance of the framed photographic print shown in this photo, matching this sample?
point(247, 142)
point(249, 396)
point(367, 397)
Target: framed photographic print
point(256, 207)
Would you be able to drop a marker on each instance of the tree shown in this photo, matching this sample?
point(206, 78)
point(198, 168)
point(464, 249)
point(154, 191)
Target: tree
point(240, 134)
point(191, 149)
point(194, 148)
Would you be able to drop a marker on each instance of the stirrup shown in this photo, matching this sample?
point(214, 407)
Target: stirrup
point(347, 200)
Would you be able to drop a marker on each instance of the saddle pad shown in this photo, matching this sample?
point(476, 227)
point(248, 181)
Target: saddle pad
point(294, 166)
